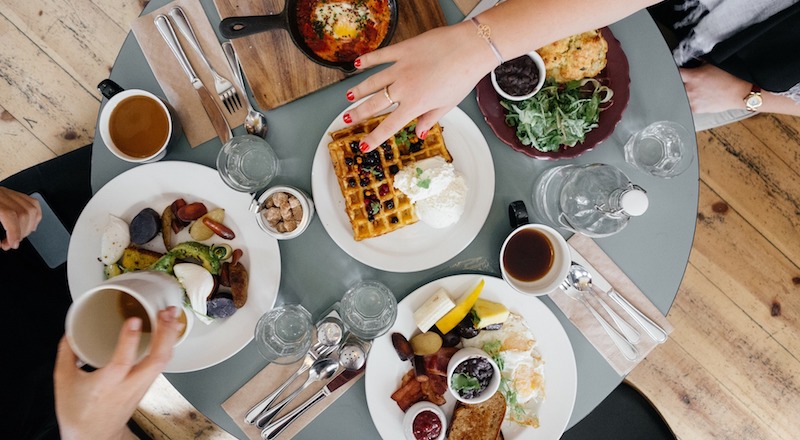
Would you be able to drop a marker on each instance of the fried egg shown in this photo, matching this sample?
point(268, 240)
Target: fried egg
point(522, 368)
point(342, 21)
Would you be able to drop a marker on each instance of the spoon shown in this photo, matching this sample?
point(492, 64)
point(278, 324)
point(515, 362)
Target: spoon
point(322, 369)
point(255, 123)
point(581, 279)
point(329, 335)
point(352, 357)
point(628, 350)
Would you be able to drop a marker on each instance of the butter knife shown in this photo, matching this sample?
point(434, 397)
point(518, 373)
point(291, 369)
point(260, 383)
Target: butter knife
point(275, 428)
point(213, 111)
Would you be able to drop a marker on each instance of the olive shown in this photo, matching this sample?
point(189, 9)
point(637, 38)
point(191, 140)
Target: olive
point(466, 329)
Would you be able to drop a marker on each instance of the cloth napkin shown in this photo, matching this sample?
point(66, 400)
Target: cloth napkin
point(173, 81)
point(605, 274)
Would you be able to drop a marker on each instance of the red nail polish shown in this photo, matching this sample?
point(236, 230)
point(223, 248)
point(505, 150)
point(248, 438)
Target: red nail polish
point(347, 118)
point(423, 135)
point(357, 63)
point(363, 146)
point(351, 96)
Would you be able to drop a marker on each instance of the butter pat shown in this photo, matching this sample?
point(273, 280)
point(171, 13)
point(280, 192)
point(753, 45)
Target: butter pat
point(433, 309)
point(489, 313)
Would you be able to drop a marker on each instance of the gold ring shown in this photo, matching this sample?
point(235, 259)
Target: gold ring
point(386, 94)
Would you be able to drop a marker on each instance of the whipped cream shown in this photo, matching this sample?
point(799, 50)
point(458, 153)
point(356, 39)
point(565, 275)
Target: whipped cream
point(437, 190)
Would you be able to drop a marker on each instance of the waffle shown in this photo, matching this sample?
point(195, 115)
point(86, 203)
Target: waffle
point(373, 205)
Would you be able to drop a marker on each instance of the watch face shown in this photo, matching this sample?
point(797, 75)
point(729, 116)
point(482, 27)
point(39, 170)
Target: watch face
point(753, 101)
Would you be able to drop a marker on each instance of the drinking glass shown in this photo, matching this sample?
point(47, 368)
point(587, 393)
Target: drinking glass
point(662, 149)
point(247, 163)
point(283, 335)
point(368, 309)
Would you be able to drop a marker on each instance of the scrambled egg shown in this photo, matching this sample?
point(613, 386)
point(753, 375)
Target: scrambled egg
point(522, 368)
point(576, 57)
point(342, 21)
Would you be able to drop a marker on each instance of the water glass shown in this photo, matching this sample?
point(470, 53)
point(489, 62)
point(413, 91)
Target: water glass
point(247, 163)
point(368, 309)
point(283, 335)
point(662, 149)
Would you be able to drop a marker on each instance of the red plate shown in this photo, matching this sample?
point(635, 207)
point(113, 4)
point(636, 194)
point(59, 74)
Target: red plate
point(615, 76)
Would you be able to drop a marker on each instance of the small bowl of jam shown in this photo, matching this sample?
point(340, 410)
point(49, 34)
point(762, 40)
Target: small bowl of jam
point(424, 421)
point(472, 376)
point(520, 78)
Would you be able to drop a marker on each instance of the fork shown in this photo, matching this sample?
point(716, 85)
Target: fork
point(225, 90)
point(318, 350)
point(628, 350)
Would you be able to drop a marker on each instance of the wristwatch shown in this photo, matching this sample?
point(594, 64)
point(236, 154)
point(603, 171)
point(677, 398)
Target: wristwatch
point(753, 100)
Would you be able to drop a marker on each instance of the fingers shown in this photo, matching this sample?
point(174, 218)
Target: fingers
point(65, 362)
point(125, 354)
point(391, 125)
point(19, 214)
point(426, 121)
point(164, 338)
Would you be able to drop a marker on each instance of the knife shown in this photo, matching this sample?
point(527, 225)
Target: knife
point(340, 378)
point(209, 103)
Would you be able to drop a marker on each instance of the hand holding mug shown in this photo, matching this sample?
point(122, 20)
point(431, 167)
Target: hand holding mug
point(99, 404)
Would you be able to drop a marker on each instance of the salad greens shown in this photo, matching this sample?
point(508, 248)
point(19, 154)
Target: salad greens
point(559, 114)
point(465, 382)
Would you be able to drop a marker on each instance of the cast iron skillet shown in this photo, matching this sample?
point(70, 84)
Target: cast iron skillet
point(237, 27)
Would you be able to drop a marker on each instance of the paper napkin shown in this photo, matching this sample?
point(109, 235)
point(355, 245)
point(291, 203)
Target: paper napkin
point(605, 274)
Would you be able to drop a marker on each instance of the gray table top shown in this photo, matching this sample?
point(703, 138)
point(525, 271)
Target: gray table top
point(653, 250)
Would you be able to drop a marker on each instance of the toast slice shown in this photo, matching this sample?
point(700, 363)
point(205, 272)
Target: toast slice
point(478, 422)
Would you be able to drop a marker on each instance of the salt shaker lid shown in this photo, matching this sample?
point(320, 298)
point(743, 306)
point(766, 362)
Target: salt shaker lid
point(634, 201)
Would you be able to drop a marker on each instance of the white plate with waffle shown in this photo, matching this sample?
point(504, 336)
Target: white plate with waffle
point(417, 246)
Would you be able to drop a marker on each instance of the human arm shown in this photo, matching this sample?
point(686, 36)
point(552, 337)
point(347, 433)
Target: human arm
point(432, 72)
point(19, 215)
point(711, 90)
point(98, 405)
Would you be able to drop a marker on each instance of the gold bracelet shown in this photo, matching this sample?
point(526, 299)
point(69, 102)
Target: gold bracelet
point(485, 32)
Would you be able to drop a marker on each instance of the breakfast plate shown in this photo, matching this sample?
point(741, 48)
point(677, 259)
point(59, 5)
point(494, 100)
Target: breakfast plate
point(156, 186)
point(418, 246)
point(615, 76)
point(385, 369)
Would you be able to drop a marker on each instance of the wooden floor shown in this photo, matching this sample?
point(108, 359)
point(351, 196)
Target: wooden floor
point(730, 370)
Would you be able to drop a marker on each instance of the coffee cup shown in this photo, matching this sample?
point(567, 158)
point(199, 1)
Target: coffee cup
point(95, 319)
point(534, 259)
point(135, 125)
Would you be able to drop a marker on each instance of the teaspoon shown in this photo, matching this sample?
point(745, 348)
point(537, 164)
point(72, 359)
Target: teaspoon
point(255, 123)
point(581, 279)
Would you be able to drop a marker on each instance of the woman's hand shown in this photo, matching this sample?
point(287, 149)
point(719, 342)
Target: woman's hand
point(711, 89)
point(19, 215)
point(99, 404)
point(430, 74)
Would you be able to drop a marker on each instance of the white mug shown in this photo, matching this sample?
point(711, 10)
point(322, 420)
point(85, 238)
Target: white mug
point(95, 319)
point(542, 278)
point(157, 119)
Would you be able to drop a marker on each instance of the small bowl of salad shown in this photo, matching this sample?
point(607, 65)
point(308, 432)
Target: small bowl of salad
point(472, 376)
point(520, 78)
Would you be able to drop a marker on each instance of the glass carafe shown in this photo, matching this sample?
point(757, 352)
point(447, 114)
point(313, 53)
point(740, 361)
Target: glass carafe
point(596, 200)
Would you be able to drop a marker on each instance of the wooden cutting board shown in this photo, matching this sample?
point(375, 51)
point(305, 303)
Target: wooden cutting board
point(277, 70)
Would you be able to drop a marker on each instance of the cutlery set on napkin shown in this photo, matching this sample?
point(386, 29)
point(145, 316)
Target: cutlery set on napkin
point(329, 366)
point(197, 82)
point(613, 327)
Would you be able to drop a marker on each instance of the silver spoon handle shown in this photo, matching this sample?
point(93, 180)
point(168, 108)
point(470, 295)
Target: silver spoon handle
point(233, 63)
point(628, 331)
point(260, 407)
point(268, 415)
point(651, 328)
point(275, 428)
point(627, 349)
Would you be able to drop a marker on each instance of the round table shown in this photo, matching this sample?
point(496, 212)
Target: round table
point(653, 250)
